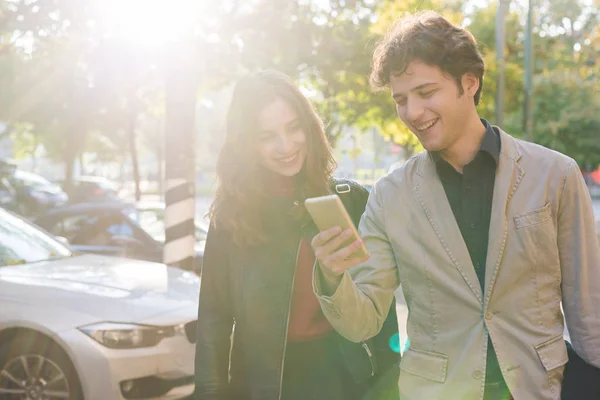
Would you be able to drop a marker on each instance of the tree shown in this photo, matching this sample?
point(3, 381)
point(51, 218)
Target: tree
point(568, 119)
point(25, 140)
point(482, 25)
point(348, 99)
point(81, 89)
point(566, 43)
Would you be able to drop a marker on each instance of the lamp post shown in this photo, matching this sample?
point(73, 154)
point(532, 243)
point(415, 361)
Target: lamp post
point(500, 40)
point(528, 104)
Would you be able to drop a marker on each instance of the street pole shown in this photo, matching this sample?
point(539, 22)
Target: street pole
point(180, 148)
point(528, 104)
point(500, 45)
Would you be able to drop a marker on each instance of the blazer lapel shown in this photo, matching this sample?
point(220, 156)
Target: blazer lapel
point(432, 198)
point(508, 177)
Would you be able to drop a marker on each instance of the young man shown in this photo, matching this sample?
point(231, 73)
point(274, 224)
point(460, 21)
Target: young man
point(486, 233)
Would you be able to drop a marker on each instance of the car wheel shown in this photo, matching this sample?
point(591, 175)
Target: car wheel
point(34, 368)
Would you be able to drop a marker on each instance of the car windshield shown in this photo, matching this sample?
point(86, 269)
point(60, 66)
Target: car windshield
point(32, 180)
point(152, 221)
point(23, 243)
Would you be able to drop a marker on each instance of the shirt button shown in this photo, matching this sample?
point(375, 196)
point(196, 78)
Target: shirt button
point(473, 226)
point(477, 374)
point(489, 315)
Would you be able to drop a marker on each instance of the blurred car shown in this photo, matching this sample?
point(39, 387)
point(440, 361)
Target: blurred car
point(90, 189)
point(151, 216)
point(36, 194)
point(117, 229)
point(91, 327)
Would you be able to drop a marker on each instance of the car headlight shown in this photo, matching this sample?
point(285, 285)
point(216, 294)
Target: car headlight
point(130, 336)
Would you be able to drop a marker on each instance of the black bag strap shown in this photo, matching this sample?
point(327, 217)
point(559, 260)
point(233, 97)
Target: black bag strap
point(353, 196)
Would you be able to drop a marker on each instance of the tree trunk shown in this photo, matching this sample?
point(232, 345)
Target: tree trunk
point(70, 151)
point(81, 165)
point(69, 167)
point(159, 164)
point(123, 171)
point(134, 157)
point(34, 163)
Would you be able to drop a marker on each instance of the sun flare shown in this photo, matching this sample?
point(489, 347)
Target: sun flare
point(149, 22)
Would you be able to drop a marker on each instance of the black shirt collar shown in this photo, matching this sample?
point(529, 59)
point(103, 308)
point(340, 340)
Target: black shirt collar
point(490, 143)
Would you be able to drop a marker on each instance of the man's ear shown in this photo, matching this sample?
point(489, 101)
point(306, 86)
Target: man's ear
point(470, 83)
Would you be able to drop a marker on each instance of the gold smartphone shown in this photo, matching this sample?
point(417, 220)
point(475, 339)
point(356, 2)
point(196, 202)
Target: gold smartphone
point(329, 211)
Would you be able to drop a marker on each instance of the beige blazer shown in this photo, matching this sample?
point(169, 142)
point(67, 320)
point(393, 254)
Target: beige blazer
point(542, 250)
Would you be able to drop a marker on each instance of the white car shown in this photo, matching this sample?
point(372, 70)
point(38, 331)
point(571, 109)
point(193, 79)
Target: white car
point(91, 327)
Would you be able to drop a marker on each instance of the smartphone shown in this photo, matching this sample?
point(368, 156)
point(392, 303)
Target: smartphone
point(329, 211)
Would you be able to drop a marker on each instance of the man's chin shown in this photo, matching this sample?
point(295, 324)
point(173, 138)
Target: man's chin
point(431, 147)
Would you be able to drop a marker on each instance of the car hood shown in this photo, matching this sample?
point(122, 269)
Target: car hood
point(49, 190)
point(111, 289)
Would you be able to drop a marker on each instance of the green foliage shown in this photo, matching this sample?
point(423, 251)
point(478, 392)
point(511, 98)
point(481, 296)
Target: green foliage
point(66, 85)
point(567, 117)
point(25, 140)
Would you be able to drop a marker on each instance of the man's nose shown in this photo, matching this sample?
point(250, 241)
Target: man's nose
point(414, 110)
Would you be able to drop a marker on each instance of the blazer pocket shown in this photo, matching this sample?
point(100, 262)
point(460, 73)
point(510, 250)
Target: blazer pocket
point(425, 364)
point(534, 217)
point(553, 353)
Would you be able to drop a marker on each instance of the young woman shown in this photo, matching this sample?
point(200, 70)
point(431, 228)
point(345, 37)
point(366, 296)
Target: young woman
point(258, 263)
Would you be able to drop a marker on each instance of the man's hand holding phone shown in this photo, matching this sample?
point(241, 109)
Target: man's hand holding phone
point(332, 256)
point(337, 247)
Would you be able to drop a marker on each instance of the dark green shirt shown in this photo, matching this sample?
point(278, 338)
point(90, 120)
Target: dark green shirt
point(470, 196)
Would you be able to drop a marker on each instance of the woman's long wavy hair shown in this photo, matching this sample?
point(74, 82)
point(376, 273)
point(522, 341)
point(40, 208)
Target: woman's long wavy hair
point(242, 184)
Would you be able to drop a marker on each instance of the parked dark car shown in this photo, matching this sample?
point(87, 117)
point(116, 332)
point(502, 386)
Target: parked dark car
point(91, 188)
point(35, 194)
point(116, 228)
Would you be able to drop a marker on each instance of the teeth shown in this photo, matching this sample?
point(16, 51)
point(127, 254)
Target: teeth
point(289, 159)
point(427, 125)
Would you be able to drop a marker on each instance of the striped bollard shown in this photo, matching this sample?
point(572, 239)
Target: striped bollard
point(180, 146)
point(179, 224)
